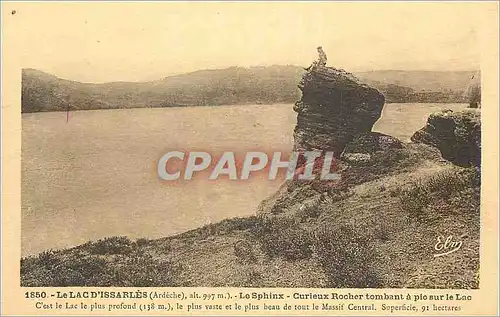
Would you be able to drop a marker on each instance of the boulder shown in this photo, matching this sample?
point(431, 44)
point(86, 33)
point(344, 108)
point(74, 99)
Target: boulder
point(456, 134)
point(334, 108)
point(372, 142)
point(361, 150)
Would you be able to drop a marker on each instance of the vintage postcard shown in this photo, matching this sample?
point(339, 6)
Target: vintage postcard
point(249, 158)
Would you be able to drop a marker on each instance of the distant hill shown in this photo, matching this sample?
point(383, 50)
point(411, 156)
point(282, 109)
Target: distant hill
point(275, 84)
point(234, 85)
point(422, 80)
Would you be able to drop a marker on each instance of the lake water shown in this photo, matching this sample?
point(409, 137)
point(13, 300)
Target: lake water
point(95, 175)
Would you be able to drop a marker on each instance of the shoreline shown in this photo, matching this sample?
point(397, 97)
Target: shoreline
point(235, 105)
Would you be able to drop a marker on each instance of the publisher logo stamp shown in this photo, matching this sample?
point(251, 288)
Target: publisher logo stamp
point(447, 245)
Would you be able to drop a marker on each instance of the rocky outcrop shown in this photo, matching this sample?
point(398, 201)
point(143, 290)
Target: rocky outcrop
point(370, 143)
point(456, 134)
point(335, 107)
point(336, 113)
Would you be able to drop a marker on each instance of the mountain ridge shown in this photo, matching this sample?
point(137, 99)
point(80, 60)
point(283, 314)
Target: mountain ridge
point(42, 91)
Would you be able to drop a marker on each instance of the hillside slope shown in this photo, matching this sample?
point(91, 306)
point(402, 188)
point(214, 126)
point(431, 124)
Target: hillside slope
point(234, 85)
point(44, 92)
point(422, 80)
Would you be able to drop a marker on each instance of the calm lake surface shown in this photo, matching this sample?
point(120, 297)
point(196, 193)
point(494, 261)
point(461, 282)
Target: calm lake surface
point(95, 175)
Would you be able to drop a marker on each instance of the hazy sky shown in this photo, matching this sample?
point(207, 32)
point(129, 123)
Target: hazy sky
point(142, 41)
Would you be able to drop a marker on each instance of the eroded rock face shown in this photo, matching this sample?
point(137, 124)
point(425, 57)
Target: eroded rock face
point(456, 134)
point(334, 108)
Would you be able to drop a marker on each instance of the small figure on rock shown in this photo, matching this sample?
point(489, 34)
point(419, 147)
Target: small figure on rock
point(322, 59)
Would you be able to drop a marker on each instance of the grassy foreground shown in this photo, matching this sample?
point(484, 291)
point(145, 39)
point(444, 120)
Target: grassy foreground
point(380, 231)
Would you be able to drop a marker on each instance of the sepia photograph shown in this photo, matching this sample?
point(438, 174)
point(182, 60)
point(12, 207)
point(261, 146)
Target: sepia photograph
point(297, 145)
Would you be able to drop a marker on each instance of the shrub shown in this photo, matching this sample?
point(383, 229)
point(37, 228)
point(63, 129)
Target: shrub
point(143, 271)
point(449, 182)
point(47, 258)
point(223, 227)
point(142, 242)
point(165, 246)
point(281, 236)
point(414, 198)
point(250, 277)
point(243, 250)
point(97, 271)
point(112, 245)
point(442, 185)
point(85, 271)
point(346, 258)
point(382, 232)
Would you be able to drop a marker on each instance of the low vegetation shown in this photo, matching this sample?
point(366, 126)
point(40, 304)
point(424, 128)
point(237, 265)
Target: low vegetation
point(346, 257)
point(440, 186)
point(111, 245)
point(283, 236)
point(114, 261)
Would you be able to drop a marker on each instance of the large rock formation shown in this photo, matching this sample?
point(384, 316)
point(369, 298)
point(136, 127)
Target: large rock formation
point(336, 113)
point(334, 108)
point(456, 134)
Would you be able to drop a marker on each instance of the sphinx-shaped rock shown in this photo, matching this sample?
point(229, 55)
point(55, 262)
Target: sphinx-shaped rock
point(334, 108)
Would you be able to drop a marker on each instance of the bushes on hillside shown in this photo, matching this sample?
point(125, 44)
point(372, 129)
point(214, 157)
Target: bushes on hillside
point(345, 256)
point(112, 245)
point(114, 261)
point(283, 236)
point(442, 185)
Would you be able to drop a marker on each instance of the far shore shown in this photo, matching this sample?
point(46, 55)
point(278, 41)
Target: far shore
point(232, 105)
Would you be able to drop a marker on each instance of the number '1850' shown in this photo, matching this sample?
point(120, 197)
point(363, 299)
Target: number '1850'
point(35, 295)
